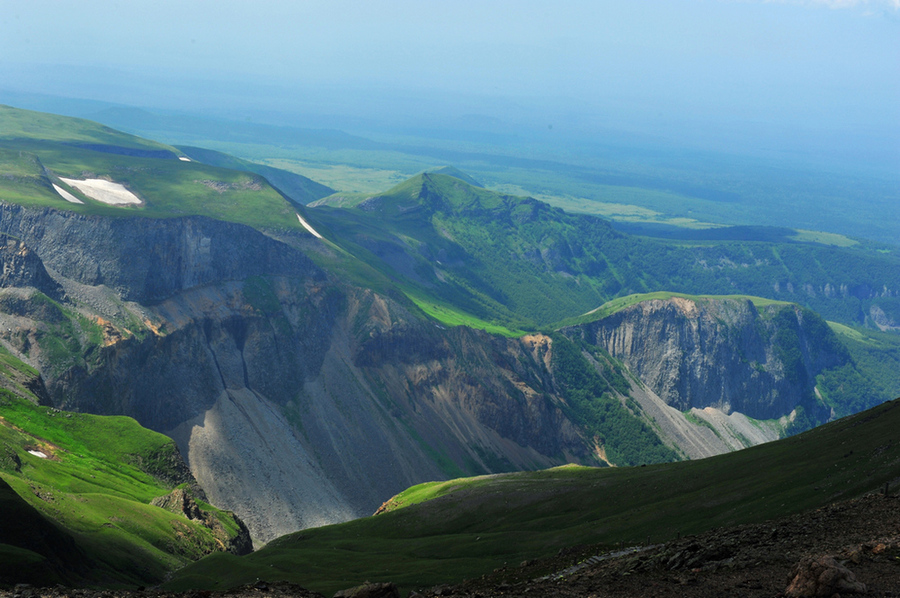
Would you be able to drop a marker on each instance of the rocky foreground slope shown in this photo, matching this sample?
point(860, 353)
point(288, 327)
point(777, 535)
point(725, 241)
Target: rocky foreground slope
point(848, 548)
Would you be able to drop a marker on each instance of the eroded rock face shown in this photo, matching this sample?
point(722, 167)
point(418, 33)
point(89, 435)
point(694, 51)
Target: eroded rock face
point(145, 259)
point(181, 501)
point(21, 267)
point(299, 400)
point(725, 354)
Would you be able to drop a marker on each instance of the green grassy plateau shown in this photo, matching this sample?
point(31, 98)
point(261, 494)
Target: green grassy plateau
point(446, 531)
point(37, 149)
point(26, 124)
point(298, 188)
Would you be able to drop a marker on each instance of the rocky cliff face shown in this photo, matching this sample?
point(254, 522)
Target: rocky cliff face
point(725, 354)
point(146, 260)
point(297, 400)
point(300, 400)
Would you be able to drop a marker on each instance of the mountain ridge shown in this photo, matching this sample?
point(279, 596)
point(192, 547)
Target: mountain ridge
point(270, 354)
point(521, 262)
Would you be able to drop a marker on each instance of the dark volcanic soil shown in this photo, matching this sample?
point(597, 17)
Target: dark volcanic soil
point(747, 561)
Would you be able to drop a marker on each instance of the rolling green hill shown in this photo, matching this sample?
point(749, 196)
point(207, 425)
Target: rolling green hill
point(298, 188)
point(456, 172)
point(37, 150)
point(520, 263)
point(21, 124)
point(445, 531)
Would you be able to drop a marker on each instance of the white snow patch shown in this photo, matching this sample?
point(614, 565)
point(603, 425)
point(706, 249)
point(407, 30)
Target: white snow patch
point(307, 226)
point(184, 159)
point(65, 194)
point(38, 454)
point(106, 191)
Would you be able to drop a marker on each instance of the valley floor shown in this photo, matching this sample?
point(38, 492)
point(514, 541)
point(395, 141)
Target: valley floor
point(746, 561)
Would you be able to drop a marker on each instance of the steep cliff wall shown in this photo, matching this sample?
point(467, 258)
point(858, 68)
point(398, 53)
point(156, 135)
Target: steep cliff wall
point(297, 417)
point(297, 400)
point(722, 353)
point(144, 259)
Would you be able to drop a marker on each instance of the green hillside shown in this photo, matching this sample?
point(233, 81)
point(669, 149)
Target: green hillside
point(456, 172)
point(21, 124)
point(443, 532)
point(37, 150)
point(87, 481)
point(463, 254)
point(298, 188)
point(872, 375)
point(520, 263)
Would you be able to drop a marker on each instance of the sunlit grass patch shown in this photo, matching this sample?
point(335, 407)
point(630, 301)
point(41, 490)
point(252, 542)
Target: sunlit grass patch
point(823, 238)
point(449, 316)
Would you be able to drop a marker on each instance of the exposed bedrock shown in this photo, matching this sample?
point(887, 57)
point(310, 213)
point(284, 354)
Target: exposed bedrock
point(322, 409)
point(719, 353)
point(144, 259)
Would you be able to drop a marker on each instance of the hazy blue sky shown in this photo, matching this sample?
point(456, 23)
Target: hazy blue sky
point(714, 67)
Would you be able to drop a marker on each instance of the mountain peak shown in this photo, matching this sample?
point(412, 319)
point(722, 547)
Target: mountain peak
point(457, 173)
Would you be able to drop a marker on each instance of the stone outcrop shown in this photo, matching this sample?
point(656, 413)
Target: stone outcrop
point(21, 267)
point(181, 501)
point(370, 590)
point(823, 576)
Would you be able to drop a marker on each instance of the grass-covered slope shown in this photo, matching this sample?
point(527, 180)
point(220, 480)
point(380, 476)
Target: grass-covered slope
point(298, 188)
point(458, 249)
point(16, 123)
point(464, 528)
point(32, 548)
point(83, 485)
point(37, 150)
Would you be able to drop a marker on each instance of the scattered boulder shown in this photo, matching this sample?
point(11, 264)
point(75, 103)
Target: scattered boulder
point(822, 576)
point(370, 590)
